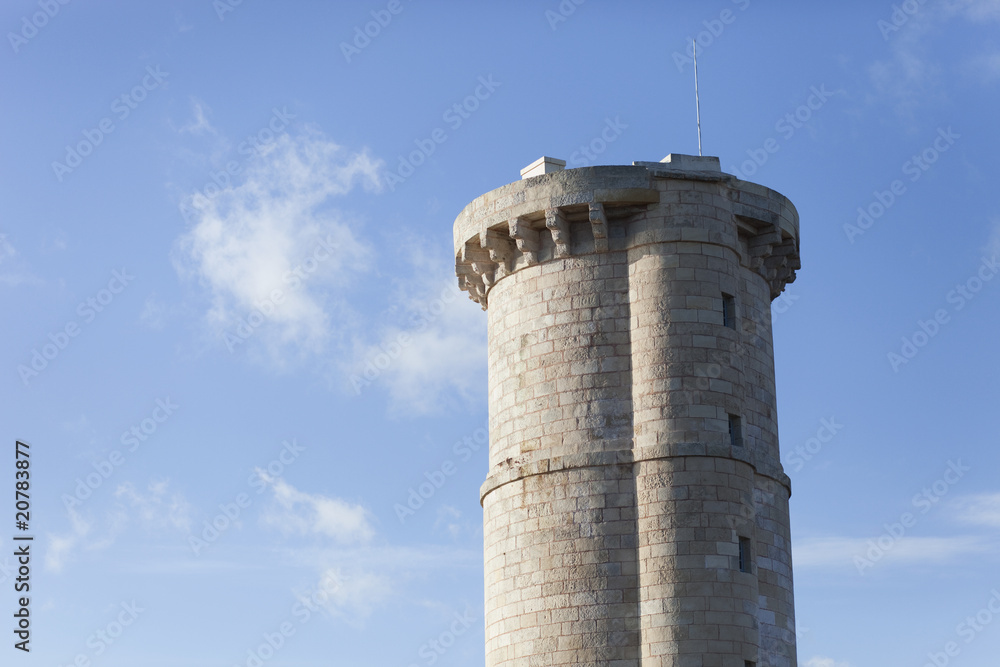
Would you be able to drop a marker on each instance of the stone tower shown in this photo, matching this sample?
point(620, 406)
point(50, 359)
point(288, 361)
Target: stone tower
point(635, 510)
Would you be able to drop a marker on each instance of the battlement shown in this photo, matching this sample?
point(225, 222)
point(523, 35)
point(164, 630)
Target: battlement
point(555, 213)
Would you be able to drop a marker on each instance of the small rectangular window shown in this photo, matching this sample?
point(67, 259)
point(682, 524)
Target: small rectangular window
point(729, 311)
point(744, 554)
point(735, 431)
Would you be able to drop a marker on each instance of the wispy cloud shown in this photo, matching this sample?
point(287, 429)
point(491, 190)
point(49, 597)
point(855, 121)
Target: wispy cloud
point(359, 579)
point(276, 232)
point(354, 594)
point(993, 244)
point(980, 510)
point(156, 510)
point(979, 11)
point(909, 550)
point(432, 359)
point(13, 270)
point(199, 124)
point(349, 587)
point(909, 78)
point(913, 74)
point(297, 512)
point(154, 313)
point(62, 547)
point(986, 67)
point(449, 520)
point(824, 662)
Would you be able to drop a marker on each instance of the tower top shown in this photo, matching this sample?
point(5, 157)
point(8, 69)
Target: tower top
point(554, 213)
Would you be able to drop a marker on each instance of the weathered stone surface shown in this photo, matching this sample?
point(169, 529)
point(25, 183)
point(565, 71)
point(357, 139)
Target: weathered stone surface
point(617, 494)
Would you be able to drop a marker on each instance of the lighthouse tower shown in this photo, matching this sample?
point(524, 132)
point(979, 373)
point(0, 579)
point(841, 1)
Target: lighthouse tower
point(635, 509)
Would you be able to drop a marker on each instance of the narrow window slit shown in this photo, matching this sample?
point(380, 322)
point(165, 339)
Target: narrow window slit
point(735, 431)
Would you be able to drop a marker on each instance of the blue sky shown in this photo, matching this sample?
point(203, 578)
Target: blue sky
point(226, 269)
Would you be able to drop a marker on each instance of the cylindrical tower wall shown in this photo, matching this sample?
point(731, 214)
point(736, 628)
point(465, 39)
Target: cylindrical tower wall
point(635, 512)
point(559, 358)
point(560, 543)
point(687, 383)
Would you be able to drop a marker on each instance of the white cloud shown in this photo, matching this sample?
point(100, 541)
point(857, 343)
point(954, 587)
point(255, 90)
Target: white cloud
point(359, 578)
point(435, 360)
point(834, 551)
point(914, 74)
point(909, 77)
point(200, 123)
point(182, 25)
point(276, 232)
point(980, 510)
point(315, 514)
point(62, 547)
point(157, 509)
point(6, 249)
point(448, 520)
point(979, 11)
point(987, 67)
point(347, 586)
point(993, 245)
point(13, 270)
point(352, 595)
point(154, 313)
point(824, 662)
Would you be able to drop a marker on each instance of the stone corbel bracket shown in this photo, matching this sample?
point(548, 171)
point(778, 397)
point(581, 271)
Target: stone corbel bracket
point(537, 219)
point(769, 247)
point(599, 226)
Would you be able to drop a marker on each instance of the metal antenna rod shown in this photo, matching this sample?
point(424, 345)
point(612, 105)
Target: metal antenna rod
point(697, 103)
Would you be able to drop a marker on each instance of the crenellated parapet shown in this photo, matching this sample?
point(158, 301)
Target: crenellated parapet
point(567, 213)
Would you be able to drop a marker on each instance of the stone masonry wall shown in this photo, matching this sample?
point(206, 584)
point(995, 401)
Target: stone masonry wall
point(618, 494)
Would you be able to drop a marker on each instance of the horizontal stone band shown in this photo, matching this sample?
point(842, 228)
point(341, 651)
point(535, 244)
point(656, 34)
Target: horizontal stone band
point(528, 466)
